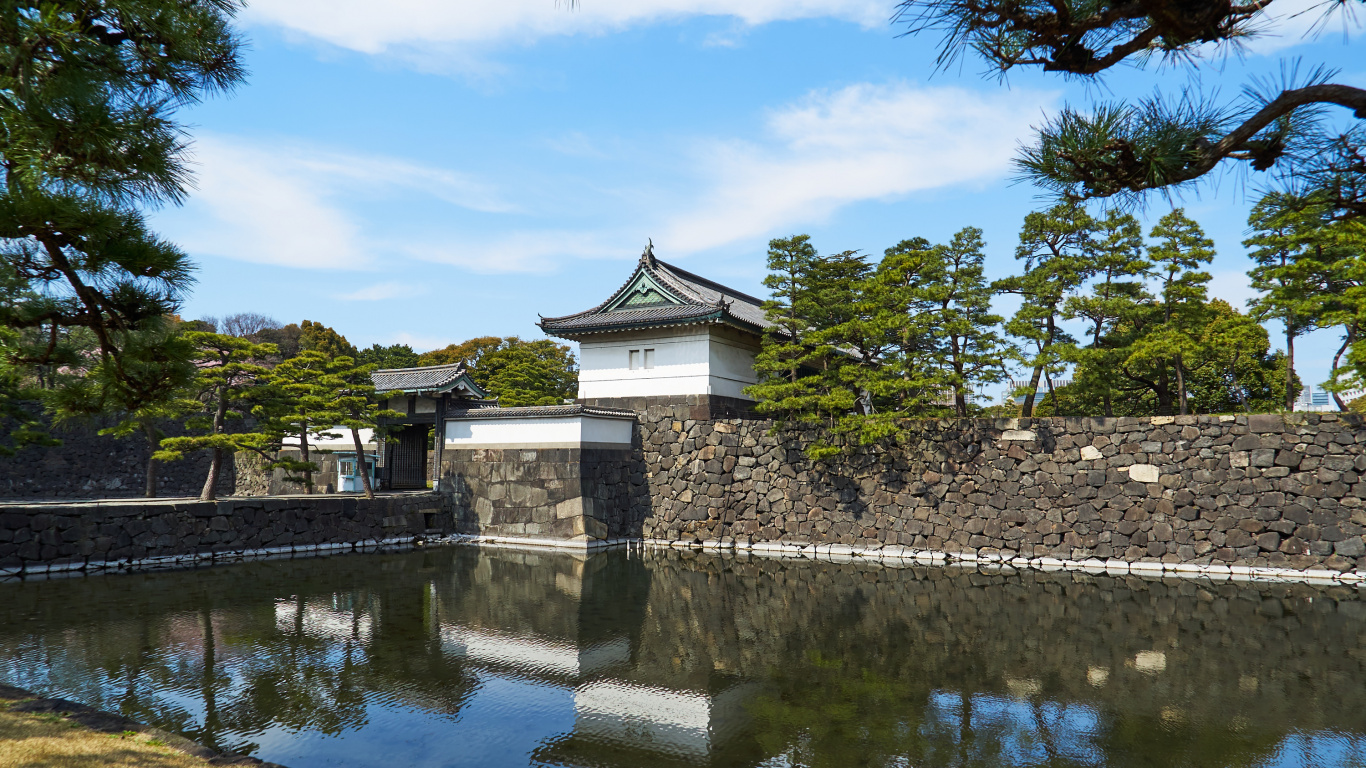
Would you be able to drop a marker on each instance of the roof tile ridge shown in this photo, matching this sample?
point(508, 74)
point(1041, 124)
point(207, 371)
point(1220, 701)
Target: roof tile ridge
point(665, 274)
point(460, 364)
point(719, 288)
point(641, 266)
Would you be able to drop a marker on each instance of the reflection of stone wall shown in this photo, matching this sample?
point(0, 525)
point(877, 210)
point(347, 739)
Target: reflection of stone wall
point(1282, 656)
point(1255, 490)
point(113, 532)
point(562, 493)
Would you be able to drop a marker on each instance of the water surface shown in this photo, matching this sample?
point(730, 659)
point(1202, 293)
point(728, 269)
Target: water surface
point(462, 657)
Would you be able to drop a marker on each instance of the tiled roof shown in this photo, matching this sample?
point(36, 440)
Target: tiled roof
point(426, 378)
point(701, 301)
point(540, 412)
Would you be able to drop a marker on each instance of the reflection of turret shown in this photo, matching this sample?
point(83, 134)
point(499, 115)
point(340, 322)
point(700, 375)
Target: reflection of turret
point(576, 625)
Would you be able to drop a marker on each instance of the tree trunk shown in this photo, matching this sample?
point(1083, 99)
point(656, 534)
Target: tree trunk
point(303, 456)
point(210, 491)
point(150, 488)
point(1290, 367)
point(1346, 342)
point(1028, 408)
point(1164, 394)
point(361, 465)
point(208, 688)
point(1181, 385)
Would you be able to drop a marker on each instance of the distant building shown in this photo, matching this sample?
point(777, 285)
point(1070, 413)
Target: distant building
point(665, 333)
point(1316, 399)
point(1013, 385)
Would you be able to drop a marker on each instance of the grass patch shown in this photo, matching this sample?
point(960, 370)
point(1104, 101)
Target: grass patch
point(50, 740)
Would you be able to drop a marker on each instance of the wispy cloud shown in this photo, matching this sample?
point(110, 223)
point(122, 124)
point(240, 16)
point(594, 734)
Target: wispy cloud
point(295, 205)
point(863, 142)
point(1287, 23)
point(407, 26)
point(381, 292)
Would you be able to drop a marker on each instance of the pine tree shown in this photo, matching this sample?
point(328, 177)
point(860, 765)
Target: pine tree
point(958, 300)
point(786, 384)
point(1181, 250)
point(230, 381)
point(392, 356)
point(1118, 257)
point(1056, 247)
point(892, 365)
point(358, 408)
point(149, 385)
point(91, 90)
point(302, 404)
point(1287, 246)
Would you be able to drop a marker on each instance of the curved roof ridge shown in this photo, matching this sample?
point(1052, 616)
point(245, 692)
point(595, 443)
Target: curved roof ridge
point(712, 284)
point(460, 364)
point(642, 265)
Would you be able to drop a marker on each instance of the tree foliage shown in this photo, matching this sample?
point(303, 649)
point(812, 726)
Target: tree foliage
point(229, 382)
point(1126, 149)
point(91, 91)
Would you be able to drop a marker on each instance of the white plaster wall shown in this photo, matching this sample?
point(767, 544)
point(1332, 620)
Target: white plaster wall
point(560, 432)
point(691, 360)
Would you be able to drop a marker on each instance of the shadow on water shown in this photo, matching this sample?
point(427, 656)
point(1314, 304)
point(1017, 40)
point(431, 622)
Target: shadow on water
point(458, 656)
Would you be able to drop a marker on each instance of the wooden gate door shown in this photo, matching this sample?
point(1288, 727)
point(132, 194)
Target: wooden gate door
point(408, 457)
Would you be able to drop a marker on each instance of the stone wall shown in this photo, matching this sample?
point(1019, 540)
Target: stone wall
point(580, 494)
point(88, 465)
point(115, 534)
point(1276, 491)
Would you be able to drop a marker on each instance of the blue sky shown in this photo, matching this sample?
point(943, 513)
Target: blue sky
point(445, 170)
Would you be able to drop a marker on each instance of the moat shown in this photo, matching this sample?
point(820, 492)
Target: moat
point(464, 657)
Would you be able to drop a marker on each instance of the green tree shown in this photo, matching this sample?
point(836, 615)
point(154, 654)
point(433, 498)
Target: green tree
point(1127, 149)
point(1180, 251)
point(467, 352)
point(959, 301)
point(539, 372)
point(1056, 247)
point(230, 381)
point(786, 384)
point(320, 338)
point(358, 408)
point(1291, 272)
point(890, 365)
point(1118, 257)
point(91, 91)
point(149, 386)
point(392, 356)
point(302, 404)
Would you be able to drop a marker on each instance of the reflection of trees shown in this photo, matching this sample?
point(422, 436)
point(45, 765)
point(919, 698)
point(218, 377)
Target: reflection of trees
point(842, 664)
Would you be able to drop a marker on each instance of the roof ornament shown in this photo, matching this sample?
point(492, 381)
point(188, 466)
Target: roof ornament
point(648, 257)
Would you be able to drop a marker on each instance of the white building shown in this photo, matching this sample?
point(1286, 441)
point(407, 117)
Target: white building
point(665, 333)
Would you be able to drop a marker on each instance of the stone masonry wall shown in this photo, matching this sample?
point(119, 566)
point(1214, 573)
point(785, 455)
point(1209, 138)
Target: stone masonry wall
point(107, 534)
point(558, 493)
point(88, 465)
point(1279, 491)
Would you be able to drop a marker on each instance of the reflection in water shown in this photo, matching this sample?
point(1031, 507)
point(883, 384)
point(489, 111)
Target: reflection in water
point(466, 657)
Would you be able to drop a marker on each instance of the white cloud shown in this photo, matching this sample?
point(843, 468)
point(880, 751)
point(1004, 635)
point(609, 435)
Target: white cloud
point(380, 292)
point(1287, 23)
point(285, 204)
point(363, 25)
point(527, 251)
point(863, 142)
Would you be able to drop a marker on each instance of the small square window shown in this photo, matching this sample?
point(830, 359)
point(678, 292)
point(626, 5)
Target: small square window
point(649, 358)
point(635, 359)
